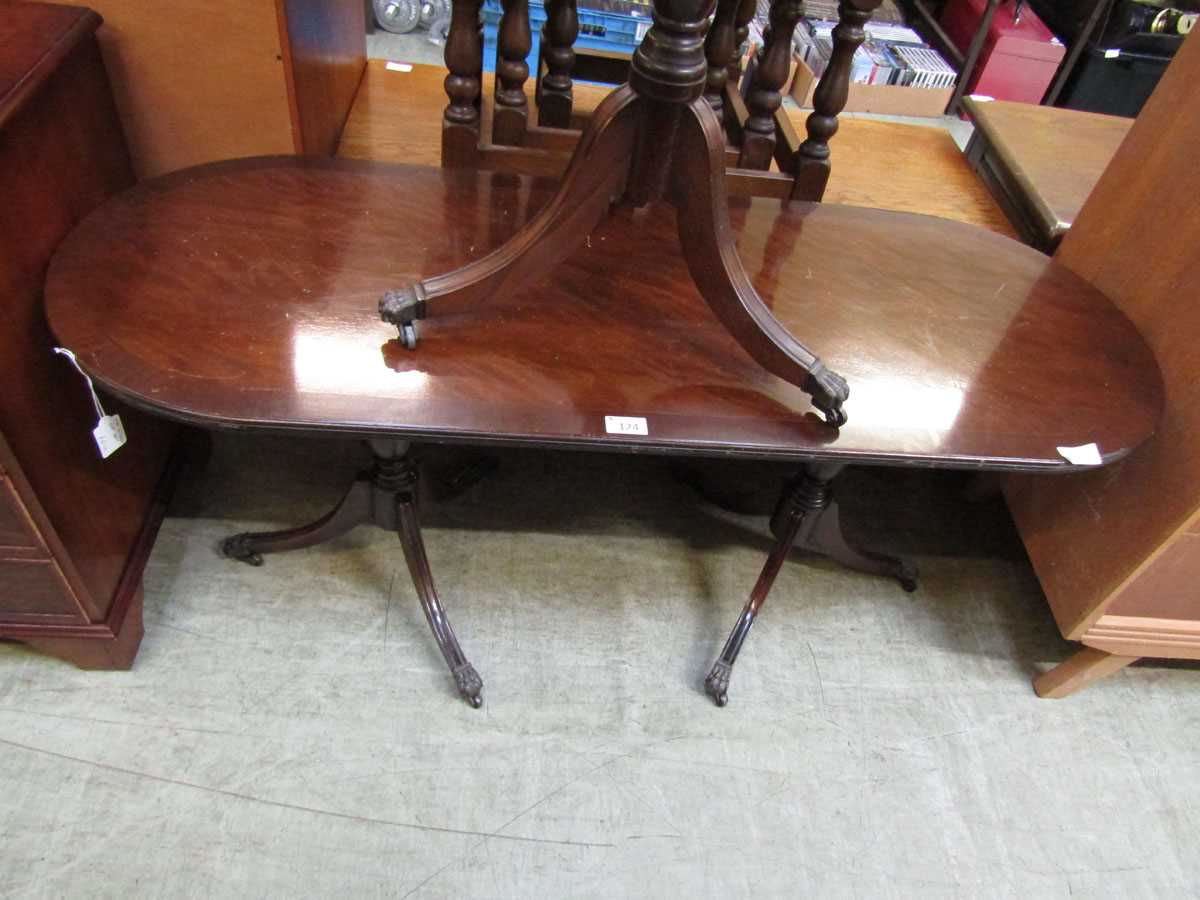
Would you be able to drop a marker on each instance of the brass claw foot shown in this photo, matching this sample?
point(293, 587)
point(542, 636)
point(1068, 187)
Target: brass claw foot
point(716, 685)
point(239, 547)
point(470, 685)
point(402, 307)
point(829, 391)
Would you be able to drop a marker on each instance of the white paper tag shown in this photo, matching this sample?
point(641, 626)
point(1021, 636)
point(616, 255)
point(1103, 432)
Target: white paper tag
point(1111, 54)
point(625, 425)
point(109, 432)
point(398, 67)
point(642, 28)
point(110, 435)
point(1083, 455)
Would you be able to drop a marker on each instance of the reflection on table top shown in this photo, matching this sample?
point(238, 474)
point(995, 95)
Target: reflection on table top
point(244, 294)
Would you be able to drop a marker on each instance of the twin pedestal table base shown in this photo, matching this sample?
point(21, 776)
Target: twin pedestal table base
point(241, 295)
point(806, 517)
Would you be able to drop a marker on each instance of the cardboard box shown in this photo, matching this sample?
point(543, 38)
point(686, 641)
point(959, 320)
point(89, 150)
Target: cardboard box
point(890, 99)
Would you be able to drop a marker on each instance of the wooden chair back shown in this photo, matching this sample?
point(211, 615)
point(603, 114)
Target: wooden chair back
point(497, 132)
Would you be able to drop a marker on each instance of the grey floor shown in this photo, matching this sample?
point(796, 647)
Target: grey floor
point(290, 731)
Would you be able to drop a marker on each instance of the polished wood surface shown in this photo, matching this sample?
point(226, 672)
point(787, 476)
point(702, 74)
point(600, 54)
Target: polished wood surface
point(77, 567)
point(397, 117)
point(1136, 239)
point(201, 81)
point(654, 139)
point(324, 53)
point(1043, 161)
point(244, 294)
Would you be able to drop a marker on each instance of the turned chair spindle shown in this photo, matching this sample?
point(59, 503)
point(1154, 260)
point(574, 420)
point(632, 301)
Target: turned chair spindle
point(719, 50)
point(512, 47)
point(757, 127)
point(766, 83)
point(464, 60)
point(558, 49)
point(811, 162)
point(741, 33)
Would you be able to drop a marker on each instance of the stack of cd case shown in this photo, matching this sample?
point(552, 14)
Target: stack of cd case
point(891, 54)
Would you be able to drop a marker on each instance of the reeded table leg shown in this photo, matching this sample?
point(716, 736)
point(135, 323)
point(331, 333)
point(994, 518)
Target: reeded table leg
point(470, 685)
point(803, 500)
point(387, 497)
point(806, 517)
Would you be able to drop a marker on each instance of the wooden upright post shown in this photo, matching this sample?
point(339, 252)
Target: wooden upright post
point(512, 47)
point(464, 59)
point(771, 69)
point(811, 162)
point(558, 42)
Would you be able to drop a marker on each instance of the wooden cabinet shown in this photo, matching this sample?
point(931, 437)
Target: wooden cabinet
point(75, 530)
point(201, 80)
point(1118, 550)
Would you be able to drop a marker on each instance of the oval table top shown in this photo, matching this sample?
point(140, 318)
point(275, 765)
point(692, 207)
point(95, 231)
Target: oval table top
point(244, 294)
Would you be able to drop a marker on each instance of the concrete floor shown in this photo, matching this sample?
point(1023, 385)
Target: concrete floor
point(290, 731)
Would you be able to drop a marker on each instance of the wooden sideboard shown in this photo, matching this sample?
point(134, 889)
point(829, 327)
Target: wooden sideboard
point(75, 530)
point(1118, 550)
point(200, 81)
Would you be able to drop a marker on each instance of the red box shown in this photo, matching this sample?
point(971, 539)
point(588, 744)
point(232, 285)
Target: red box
point(1018, 60)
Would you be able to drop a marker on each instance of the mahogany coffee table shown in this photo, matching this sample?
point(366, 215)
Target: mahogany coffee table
point(243, 295)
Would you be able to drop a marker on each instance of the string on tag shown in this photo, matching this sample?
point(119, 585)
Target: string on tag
point(109, 433)
point(100, 414)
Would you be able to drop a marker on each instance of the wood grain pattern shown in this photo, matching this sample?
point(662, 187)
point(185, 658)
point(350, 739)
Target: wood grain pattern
point(1135, 239)
point(595, 180)
point(324, 51)
point(717, 271)
point(292, 254)
point(1046, 160)
point(397, 118)
point(909, 168)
